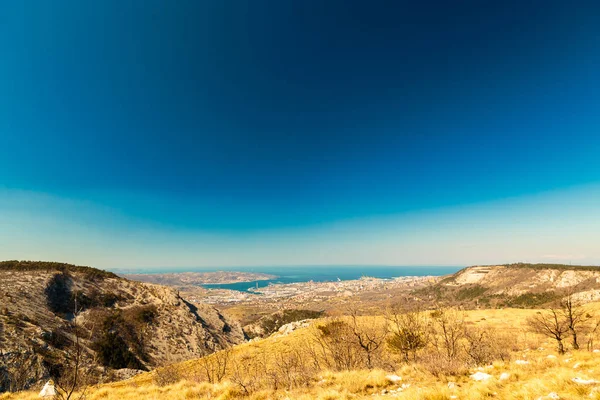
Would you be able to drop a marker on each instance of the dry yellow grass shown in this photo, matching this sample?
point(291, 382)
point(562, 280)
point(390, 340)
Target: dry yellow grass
point(543, 373)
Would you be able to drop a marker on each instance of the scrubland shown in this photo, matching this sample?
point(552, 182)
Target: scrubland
point(425, 355)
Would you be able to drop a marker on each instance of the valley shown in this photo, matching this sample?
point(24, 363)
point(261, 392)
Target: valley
point(469, 335)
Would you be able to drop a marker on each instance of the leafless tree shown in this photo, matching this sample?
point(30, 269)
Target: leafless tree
point(591, 334)
point(575, 316)
point(551, 323)
point(448, 326)
point(72, 376)
point(369, 337)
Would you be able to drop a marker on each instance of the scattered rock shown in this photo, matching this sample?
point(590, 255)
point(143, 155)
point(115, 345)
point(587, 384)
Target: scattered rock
point(126, 373)
point(521, 362)
point(451, 385)
point(480, 376)
point(551, 356)
point(577, 365)
point(393, 378)
point(550, 396)
point(504, 376)
point(48, 391)
point(581, 381)
point(286, 329)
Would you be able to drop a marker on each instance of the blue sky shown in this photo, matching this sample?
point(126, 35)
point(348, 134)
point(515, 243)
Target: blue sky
point(269, 132)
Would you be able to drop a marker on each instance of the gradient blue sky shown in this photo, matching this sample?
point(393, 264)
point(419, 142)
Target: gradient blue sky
point(193, 133)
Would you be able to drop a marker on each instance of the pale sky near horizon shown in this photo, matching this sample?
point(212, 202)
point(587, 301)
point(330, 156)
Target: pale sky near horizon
point(559, 227)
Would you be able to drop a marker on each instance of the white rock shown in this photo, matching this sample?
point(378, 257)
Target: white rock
point(48, 390)
point(596, 351)
point(550, 396)
point(521, 362)
point(405, 386)
point(451, 385)
point(581, 381)
point(504, 376)
point(577, 365)
point(480, 376)
point(551, 356)
point(393, 378)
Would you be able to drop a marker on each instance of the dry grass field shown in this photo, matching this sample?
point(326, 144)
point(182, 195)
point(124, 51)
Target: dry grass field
point(531, 370)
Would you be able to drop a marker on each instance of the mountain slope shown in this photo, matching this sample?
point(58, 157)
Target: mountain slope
point(122, 323)
point(521, 285)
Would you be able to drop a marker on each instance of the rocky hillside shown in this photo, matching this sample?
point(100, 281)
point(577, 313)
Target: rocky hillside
point(271, 323)
point(518, 285)
point(121, 324)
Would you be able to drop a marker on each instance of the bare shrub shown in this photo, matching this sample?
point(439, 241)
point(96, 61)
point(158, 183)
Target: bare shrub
point(166, 376)
point(483, 346)
point(592, 333)
point(448, 330)
point(409, 332)
point(292, 369)
point(440, 365)
point(214, 367)
point(246, 374)
point(335, 345)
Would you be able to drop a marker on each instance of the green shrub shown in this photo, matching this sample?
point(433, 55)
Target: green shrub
point(470, 293)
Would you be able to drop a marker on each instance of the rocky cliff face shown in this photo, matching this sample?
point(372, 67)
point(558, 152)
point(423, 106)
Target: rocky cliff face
point(519, 285)
point(517, 279)
point(120, 323)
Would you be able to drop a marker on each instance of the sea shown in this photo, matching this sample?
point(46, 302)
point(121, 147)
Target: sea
point(325, 273)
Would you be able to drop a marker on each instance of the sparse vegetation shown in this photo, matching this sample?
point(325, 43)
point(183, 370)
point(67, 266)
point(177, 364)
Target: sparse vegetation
point(276, 368)
point(269, 324)
point(562, 267)
point(408, 352)
point(119, 342)
point(120, 324)
point(89, 272)
point(471, 292)
point(530, 300)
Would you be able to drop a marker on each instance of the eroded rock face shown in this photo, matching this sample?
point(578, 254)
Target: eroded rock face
point(515, 280)
point(146, 325)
